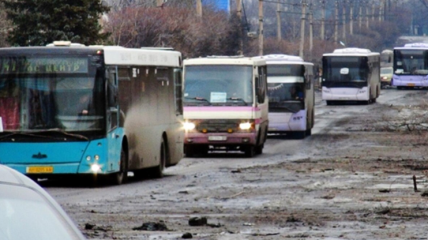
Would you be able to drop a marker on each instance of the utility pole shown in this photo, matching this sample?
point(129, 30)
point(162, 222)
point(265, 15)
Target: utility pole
point(387, 10)
point(278, 21)
point(261, 27)
point(336, 21)
point(360, 16)
point(302, 28)
point(373, 12)
point(344, 21)
point(311, 31)
point(367, 14)
point(322, 20)
point(199, 8)
point(381, 8)
point(241, 37)
point(351, 18)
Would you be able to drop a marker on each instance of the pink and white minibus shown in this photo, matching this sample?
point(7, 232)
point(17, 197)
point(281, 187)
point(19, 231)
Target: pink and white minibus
point(225, 105)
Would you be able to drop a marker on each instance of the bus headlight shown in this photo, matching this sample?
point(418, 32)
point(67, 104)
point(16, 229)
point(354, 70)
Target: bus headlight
point(95, 168)
point(245, 126)
point(188, 126)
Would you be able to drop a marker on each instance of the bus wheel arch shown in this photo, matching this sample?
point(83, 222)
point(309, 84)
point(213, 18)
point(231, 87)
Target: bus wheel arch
point(260, 142)
point(163, 158)
point(168, 151)
point(122, 175)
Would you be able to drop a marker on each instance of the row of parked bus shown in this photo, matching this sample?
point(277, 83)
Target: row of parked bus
point(232, 103)
point(102, 111)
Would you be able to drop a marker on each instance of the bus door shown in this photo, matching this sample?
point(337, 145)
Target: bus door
point(112, 100)
point(113, 131)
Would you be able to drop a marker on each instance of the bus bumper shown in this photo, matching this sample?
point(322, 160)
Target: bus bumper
point(221, 139)
point(345, 94)
point(410, 82)
point(287, 122)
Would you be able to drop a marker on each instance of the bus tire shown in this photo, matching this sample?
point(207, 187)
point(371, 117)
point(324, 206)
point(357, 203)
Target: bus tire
point(299, 134)
point(122, 176)
point(188, 151)
point(309, 132)
point(158, 171)
point(250, 151)
point(259, 149)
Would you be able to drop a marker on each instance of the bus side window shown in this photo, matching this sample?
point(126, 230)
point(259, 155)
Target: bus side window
point(112, 88)
point(307, 77)
point(112, 96)
point(178, 91)
point(261, 84)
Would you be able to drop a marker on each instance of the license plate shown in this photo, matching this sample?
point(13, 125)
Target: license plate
point(411, 84)
point(40, 169)
point(217, 138)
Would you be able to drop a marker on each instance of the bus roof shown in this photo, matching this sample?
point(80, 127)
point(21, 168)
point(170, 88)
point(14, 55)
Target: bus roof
point(414, 46)
point(284, 59)
point(115, 55)
point(142, 57)
point(352, 52)
point(225, 60)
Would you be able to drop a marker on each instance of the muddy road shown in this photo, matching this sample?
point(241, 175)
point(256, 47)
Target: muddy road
point(352, 179)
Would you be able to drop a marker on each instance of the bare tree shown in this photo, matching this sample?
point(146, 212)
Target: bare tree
point(174, 26)
point(4, 27)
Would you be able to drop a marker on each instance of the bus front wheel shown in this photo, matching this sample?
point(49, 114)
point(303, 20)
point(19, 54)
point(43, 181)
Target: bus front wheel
point(250, 151)
point(121, 176)
point(299, 134)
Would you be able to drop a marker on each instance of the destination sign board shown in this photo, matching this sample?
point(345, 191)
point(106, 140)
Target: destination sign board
point(25, 65)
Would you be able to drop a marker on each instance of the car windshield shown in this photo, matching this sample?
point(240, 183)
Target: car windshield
point(25, 214)
point(386, 71)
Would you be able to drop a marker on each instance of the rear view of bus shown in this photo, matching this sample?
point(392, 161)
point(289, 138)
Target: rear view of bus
point(291, 95)
point(225, 105)
point(351, 74)
point(410, 66)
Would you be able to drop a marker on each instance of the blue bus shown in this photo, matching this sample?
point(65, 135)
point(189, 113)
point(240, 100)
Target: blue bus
point(70, 109)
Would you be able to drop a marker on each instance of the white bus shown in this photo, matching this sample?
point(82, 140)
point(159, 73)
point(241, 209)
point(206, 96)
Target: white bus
point(225, 105)
point(291, 95)
point(70, 109)
point(351, 74)
point(410, 68)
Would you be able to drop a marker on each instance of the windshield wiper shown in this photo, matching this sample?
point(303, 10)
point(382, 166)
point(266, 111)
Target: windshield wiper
point(57, 130)
point(199, 99)
point(238, 99)
point(281, 105)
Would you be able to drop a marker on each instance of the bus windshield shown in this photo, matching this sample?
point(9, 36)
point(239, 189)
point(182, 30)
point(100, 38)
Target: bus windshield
point(218, 85)
point(346, 71)
point(411, 62)
point(50, 93)
point(286, 96)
